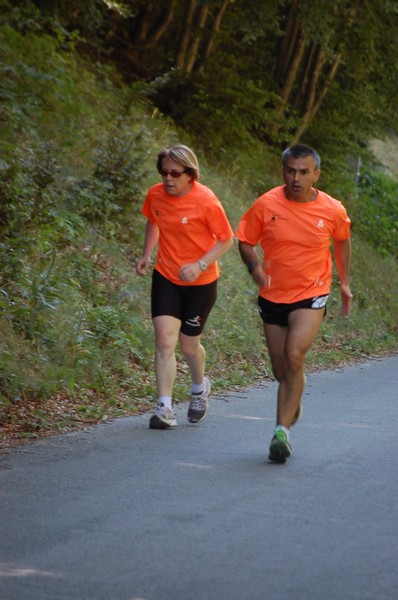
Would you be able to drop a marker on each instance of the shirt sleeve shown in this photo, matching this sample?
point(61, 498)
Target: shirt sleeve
point(343, 224)
point(218, 221)
point(251, 225)
point(146, 209)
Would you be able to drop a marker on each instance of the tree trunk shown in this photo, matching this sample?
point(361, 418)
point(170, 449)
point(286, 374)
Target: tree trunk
point(314, 100)
point(211, 42)
point(147, 37)
point(187, 29)
point(195, 45)
point(144, 24)
point(163, 25)
point(294, 67)
point(287, 43)
point(312, 110)
point(307, 73)
point(313, 80)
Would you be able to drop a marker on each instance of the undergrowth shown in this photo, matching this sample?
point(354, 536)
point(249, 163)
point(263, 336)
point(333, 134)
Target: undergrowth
point(76, 340)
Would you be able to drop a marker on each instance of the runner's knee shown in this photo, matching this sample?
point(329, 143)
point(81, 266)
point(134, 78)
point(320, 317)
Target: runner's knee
point(294, 359)
point(190, 345)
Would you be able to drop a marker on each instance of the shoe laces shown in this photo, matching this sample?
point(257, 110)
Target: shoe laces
point(197, 402)
point(165, 410)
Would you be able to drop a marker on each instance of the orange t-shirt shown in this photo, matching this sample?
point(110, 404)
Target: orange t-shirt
point(295, 238)
point(188, 227)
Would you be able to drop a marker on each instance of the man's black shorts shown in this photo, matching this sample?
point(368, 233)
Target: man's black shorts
point(274, 313)
point(191, 304)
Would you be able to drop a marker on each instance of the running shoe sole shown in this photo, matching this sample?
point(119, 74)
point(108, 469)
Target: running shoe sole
point(156, 422)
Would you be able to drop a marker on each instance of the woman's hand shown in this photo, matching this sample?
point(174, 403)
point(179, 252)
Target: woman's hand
point(142, 266)
point(190, 272)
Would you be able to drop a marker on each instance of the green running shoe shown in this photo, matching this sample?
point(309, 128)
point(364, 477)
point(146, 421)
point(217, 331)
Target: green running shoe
point(279, 449)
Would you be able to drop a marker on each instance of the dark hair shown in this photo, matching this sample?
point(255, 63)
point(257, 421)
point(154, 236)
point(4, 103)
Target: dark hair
point(301, 151)
point(182, 155)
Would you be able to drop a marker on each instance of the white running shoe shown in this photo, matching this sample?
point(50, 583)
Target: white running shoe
point(163, 418)
point(199, 404)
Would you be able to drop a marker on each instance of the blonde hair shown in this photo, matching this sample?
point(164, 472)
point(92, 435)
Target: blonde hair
point(182, 155)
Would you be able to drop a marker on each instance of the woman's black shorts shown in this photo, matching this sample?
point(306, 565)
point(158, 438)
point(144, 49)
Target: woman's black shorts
point(191, 304)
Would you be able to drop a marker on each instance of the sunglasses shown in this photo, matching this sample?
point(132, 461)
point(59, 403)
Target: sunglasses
point(174, 173)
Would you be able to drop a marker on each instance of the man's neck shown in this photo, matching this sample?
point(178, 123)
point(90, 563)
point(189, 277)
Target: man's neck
point(310, 196)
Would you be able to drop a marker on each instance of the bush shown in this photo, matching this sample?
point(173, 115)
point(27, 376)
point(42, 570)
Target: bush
point(375, 212)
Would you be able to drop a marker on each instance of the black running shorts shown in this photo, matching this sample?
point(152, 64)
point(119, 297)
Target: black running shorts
point(274, 313)
point(191, 304)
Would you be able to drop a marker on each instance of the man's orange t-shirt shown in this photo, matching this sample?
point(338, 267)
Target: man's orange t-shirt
point(188, 227)
point(295, 238)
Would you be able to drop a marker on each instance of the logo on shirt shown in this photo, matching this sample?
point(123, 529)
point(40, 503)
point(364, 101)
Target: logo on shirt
point(320, 224)
point(184, 220)
point(278, 218)
point(318, 281)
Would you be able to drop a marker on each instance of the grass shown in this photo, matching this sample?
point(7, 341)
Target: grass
point(76, 339)
point(111, 371)
point(77, 345)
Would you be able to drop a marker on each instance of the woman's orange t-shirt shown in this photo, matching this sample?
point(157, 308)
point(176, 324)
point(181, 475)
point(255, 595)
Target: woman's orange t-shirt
point(188, 227)
point(295, 238)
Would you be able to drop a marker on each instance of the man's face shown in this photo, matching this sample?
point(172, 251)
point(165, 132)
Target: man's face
point(299, 175)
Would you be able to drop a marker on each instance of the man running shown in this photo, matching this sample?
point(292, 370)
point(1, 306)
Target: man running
point(294, 224)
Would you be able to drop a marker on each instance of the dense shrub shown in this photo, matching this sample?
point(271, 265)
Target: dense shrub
point(375, 211)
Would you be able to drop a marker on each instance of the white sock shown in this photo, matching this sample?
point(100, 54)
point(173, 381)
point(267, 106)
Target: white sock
point(197, 388)
point(284, 429)
point(166, 400)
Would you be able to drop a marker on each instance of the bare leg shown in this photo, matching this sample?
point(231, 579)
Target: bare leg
point(195, 355)
point(166, 336)
point(288, 347)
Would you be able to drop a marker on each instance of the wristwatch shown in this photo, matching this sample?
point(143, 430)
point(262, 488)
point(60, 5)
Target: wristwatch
point(202, 265)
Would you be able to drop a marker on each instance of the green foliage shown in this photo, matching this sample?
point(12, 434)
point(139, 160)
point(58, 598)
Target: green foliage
point(220, 109)
point(106, 197)
point(34, 74)
point(68, 180)
point(26, 198)
point(78, 151)
point(375, 211)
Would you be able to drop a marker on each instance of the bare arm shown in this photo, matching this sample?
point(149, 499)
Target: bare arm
point(342, 256)
point(151, 237)
point(191, 271)
point(249, 256)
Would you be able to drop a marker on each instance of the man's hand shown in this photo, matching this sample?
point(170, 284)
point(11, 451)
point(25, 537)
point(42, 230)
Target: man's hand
point(346, 300)
point(259, 276)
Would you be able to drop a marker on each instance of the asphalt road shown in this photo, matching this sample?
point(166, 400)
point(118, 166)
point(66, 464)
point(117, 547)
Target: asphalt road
point(121, 512)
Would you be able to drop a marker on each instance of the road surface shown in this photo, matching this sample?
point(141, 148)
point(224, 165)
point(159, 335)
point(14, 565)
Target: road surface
point(121, 512)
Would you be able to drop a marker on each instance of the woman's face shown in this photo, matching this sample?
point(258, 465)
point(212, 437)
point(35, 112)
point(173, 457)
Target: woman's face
point(175, 186)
